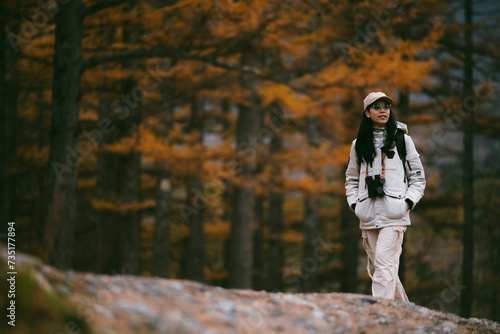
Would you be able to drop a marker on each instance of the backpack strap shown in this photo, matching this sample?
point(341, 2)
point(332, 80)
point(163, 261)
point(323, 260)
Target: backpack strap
point(399, 138)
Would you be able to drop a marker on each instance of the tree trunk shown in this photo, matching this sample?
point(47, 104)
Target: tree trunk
point(106, 247)
point(3, 146)
point(275, 256)
point(468, 129)
point(241, 236)
point(310, 263)
point(36, 228)
point(240, 274)
point(404, 104)
point(128, 191)
point(258, 259)
point(494, 313)
point(64, 151)
point(350, 234)
point(8, 103)
point(226, 195)
point(128, 163)
point(197, 201)
point(162, 227)
point(107, 220)
point(257, 264)
point(163, 194)
point(195, 255)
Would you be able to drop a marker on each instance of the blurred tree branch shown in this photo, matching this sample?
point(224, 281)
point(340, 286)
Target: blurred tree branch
point(164, 53)
point(101, 5)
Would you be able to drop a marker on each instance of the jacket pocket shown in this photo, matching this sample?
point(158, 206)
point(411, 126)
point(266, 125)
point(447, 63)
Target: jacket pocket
point(393, 163)
point(398, 237)
point(394, 208)
point(365, 210)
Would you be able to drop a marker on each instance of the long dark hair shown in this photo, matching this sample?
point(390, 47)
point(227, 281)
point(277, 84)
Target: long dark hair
point(365, 147)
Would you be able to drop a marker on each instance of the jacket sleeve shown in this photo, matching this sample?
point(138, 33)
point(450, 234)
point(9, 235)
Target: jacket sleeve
point(352, 177)
point(414, 173)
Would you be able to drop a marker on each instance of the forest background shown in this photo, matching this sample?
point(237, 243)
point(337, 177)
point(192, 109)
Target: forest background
point(208, 140)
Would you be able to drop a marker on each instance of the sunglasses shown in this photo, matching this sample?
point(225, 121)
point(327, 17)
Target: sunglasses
point(378, 106)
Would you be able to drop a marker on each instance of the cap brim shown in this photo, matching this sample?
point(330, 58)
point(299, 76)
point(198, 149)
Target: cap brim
point(387, 98)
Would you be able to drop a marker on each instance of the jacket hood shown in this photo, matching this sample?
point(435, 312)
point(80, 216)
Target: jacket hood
point(402, 126)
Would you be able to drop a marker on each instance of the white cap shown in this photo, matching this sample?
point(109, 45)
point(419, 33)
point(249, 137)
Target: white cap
point(374, 96)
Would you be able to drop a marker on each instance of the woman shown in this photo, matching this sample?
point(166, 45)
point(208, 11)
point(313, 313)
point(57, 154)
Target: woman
point(382, 186)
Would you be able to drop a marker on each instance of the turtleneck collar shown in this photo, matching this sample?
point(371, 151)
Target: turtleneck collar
point(378, 136)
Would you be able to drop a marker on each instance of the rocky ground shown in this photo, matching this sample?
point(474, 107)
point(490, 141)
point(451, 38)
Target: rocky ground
point(128, 304)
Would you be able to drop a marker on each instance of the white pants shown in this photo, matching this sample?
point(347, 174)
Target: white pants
point(383, 247)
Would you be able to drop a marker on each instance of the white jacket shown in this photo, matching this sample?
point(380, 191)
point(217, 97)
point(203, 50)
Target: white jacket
point(401, 183)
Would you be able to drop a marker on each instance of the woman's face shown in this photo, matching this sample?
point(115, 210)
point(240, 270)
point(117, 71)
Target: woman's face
point(379, 112)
